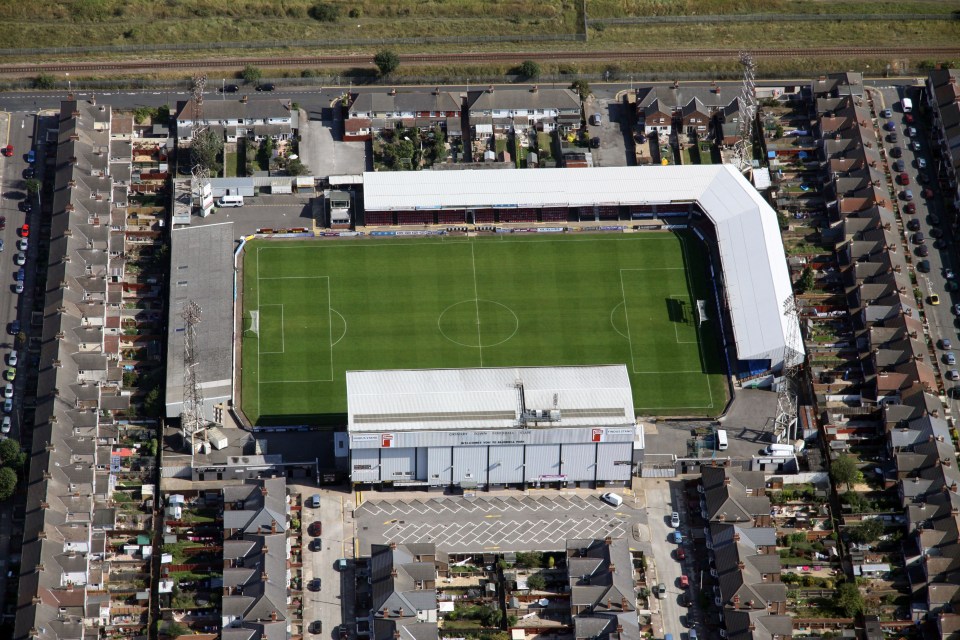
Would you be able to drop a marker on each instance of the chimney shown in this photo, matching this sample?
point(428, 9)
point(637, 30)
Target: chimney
point(953, 487)
point(93, 99)
point(264, 577)
point(273, 526)
point(436, 91)
point(273, 615)
point(263, 491)
point(400, 612)
point(608, 541)
point(490, 89)
point(393, 546)
point(393, 92)
point(608, 604)
point(623, 603)
point(534, 89)
point(393, 573)
point(612, 568)
point(386, 612)
point(244, 99)
point(736, 537)
point(741, 566)
point(736, 602)
point(726, 482)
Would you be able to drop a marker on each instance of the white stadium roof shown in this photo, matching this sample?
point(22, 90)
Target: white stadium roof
point(415, 399)
point(751, 250)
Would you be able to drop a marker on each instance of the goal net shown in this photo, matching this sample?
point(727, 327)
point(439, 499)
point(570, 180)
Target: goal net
point(702, 312)
point(253, 324)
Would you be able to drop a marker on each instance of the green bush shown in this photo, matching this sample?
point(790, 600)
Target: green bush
point(325, 12)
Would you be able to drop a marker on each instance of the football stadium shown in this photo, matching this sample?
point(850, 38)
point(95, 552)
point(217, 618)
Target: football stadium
point(682, 303)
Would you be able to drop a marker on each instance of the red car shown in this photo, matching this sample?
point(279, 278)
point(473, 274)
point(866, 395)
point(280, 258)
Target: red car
point(928, 193)
point(25, 231)
point(681, 554)
point(684, 582)
point(910, 208)
point(7, 150)
point(904, 179)
point(315, 528)
point(908, 118)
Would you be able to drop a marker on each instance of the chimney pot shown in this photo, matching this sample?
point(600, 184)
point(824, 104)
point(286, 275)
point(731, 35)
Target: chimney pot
point(608, 541)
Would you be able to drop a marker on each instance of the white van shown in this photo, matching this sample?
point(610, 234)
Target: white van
point(779, 450)
point(721, 439)
point(612, 499)
point(907, 105)
point(230, 201)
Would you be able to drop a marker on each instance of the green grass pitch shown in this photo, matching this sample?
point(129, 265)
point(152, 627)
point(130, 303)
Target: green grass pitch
point(314, 310)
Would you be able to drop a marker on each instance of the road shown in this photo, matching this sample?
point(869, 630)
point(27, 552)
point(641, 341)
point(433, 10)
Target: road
point(664, 497)
point(931, 216)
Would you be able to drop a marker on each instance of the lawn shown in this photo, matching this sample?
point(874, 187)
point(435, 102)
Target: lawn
point(230, 164)
point(313, 310)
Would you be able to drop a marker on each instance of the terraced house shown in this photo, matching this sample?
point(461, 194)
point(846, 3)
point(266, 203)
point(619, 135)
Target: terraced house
point(64, 580)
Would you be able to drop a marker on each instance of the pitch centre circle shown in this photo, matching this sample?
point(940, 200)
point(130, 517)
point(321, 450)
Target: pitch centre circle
point(478, 323)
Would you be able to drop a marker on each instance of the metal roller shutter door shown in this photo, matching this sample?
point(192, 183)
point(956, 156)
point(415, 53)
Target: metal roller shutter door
point(506, 464)
point(578, 461)
point(397, 464)
point(470, 465)
point(542, 460)
point(365, 465)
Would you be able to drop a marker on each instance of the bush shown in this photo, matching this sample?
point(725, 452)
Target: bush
point(324, 12)
point(251, 74)
point(8, 483)
point(44, 81)
point(536, 582)
point(529, 69)
point(10, 454)
point(387, 62)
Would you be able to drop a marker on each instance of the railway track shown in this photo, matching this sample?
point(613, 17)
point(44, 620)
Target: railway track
point(475, 58)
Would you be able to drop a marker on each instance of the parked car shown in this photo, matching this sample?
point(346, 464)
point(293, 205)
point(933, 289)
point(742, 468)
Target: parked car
point(923, 266)
point(266, 87)
point(674, 519)
point(20, 259)
point(913, 224)
point(933, 219)
point(956, 309)
point(316, 626)
point(911, 131)
point(10, 374)
point(596, 119)
point(661, 590)
point(594, 143)
point(677, 537)
point(907, 195)
point(890, 125)
point(896, 152)
point(5, 427)
point(904, 179)
point(25, 230)
point(684, 582)
point(7, 150)
point(936, 232)
point(898, 165)
point(29, 173)
point(612, 499)
point(948, 273)
point(921, 163)
point(231, 88)
point(950, 358)
point(13, 357)
point(315, 528)
point(886, 113)
point(23, 244)
point(314, 585)
point(910, 208)
point(953, 374)
point(923, 251)
point(316, 544)
point(8, 405)
point(681, 554)
point(918, 238)
point(928, 193)
point(915, 145)
point(31, 156)
point(934, 299)
point(8, 391)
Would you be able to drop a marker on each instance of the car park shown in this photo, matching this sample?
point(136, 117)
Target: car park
point(674, 519)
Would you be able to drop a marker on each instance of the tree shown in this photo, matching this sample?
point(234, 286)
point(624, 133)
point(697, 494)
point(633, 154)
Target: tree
point(264, 153)
point(151, 404)
point(10, 454)
point(206, 150)
point(551, 563)
point(387, 62)
point(849, 599)
point(866, 531)
point(536, 582)
point(582, 87)
point(251, 74)
point(8, 483)
point(530, 559)
point(33, 186)
point(44, 81)
point(297, 168)
point(529, 69)
point(806, 281)
point(844, 470)
point(325, 12)
point(175, 630)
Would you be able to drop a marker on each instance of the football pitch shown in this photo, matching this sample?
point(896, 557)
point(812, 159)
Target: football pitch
point(314, 310)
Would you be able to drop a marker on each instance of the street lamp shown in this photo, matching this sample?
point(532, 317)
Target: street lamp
point(69, 90)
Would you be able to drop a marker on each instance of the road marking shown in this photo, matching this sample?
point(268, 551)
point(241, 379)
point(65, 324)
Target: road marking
point(493, 515)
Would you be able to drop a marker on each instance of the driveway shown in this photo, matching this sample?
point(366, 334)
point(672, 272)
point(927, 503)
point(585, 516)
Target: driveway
point(613, 131)
point(326, 156)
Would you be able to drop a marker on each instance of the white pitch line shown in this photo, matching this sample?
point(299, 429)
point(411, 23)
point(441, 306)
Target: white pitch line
point(476, 300)
point(623, 293)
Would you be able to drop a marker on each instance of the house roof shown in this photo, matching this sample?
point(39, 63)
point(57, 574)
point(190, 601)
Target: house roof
point(543, 99)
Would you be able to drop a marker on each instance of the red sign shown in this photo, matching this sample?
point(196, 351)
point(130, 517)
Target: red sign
point(596, 435)
point(386, 440)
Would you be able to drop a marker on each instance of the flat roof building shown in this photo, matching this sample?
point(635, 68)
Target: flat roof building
point(493, 426)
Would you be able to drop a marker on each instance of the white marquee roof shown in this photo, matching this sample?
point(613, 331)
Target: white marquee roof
point(751, 250)
point(416, 399)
